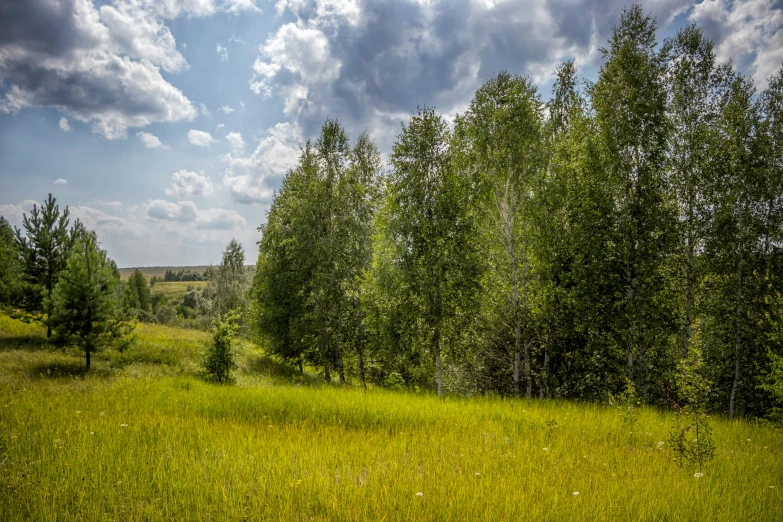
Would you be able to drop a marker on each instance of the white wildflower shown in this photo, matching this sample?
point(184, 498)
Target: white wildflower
point(546, 449)
point(660, 445)
point(123, 425)
point(698, 475)
point(419, 494)
point(477, 474)
point(576, 493)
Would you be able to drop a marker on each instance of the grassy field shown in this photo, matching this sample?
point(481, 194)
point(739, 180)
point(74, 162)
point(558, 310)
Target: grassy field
point(174, 289)
point(158, 271)
point(142, 438)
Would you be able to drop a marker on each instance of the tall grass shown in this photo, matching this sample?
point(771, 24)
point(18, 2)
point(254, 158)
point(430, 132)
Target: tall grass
point(139, 443)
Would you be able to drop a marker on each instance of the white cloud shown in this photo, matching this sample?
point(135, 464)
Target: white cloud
point(150, 140)
point(200, 138)
point(744, 29)
point(99, 66)
point(103, 203)
point(186, 184)
point(226, 109)
point(14, 213)
point(64, 125)
point(238, 6)
point(60, 181)
point(220, 126)
point(203, 109)
point(248, 178)
point(236, 141)
point(298, 52)
point(188, 212)
point(222, 52)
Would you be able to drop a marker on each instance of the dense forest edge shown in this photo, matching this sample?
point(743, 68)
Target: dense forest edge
point(619, 243)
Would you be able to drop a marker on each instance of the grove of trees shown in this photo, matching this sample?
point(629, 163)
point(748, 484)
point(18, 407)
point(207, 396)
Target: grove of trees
point(550, 249)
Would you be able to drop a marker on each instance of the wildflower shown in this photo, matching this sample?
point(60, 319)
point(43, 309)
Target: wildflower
point(271, 426)
point(102, 414)
point(546, 449)
point(660, 445)
point(748, 440)
point(772, 487)
point(420, 494)
point(576, 493)
point(123, 425)
point(698, 475)
point(78, 411)
point(477, 474)
point(92, 433)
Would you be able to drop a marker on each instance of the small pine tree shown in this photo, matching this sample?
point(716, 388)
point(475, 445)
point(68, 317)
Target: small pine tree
point(84, 304)
point(218, 360)
point(691, 435)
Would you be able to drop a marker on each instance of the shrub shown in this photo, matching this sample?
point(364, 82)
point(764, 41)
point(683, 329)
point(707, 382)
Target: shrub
point(218, 360)
point(166, 315)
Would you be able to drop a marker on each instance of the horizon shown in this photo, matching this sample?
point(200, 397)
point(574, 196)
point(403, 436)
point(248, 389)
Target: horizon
point(167, 127)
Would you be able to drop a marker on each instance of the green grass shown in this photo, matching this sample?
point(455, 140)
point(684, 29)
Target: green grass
point(174, 289)
point(143, 439)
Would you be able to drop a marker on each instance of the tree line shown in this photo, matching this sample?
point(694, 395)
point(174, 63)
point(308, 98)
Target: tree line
point(550, 249)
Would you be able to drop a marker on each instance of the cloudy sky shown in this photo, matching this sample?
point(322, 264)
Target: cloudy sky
point(166, 125)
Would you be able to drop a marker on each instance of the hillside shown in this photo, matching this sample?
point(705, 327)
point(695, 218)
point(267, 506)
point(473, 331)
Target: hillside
point(142, 438)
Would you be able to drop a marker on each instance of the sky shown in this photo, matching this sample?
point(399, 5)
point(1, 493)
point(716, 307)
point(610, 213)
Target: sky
point(167, 125)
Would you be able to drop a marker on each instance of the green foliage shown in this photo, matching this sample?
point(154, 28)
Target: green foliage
point(137, 293)
point(84, 308)
point(11, 267)
point(691, 438)
point(219, 359)
point(45, 245)
point(628, 403)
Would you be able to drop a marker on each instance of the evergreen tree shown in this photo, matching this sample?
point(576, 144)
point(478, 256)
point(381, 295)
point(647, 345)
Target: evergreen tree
point(11, 268)
point(84, 309)
point(45, 246)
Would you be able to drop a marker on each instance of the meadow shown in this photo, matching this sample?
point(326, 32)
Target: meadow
point(141, 437)
point(158, 271)
point(174, 289)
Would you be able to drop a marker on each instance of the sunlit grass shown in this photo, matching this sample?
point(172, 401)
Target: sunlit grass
point(149, 441)
point(173, 290)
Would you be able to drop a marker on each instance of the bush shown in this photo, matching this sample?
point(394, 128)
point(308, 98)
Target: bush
point(219, 358)
point(167, 315)
point(143, 316)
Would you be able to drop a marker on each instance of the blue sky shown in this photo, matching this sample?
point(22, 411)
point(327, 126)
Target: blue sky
point(166, 125)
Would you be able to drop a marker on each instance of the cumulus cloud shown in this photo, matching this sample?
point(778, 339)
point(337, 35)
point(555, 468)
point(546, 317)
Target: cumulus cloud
point(252, 179)
point(150, 140)
point(748, 31)
point(222, 52)
point(203, 110)
point(60, 181)
point(371, 62)
point(15, 213)
point(64, 125)
point(235, 141)
point(99, 64)
point(226, 109)
point(200, 138)
point(186, 184)
point(188, 212)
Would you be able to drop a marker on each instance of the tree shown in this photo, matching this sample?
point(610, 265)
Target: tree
point(229, 285)
point(45, 248)
point(84, 309)
point(692, 112)
point(432, 224)
point(11, 268)
point(137, 293)
point(501, 138)
point(629, 100)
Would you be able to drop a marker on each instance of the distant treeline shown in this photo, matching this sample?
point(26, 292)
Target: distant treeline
point(183, 275)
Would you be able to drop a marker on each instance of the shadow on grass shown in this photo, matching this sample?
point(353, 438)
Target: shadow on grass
point(264, 365)
point(24, 342)
point(61, 370)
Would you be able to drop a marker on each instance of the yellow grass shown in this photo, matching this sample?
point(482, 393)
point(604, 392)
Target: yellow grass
point(141, 438)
